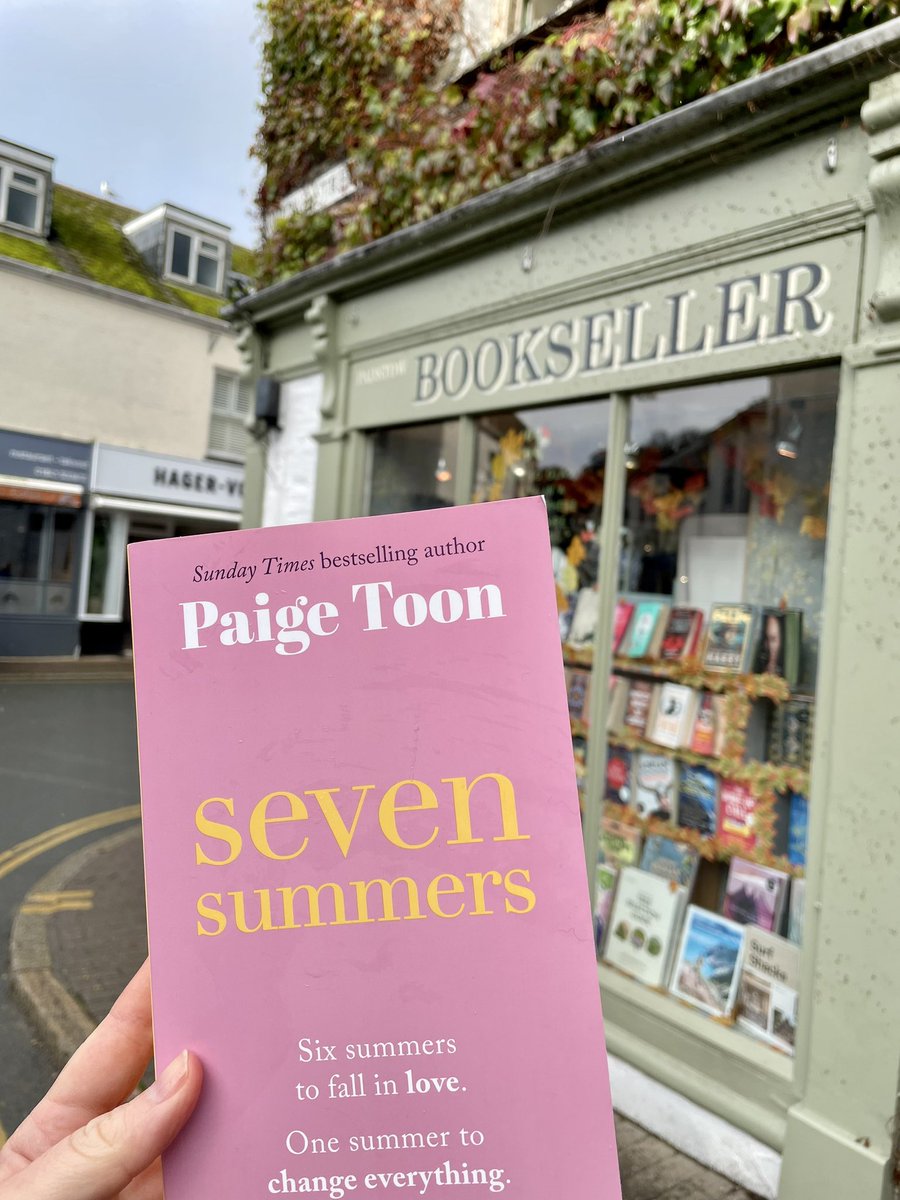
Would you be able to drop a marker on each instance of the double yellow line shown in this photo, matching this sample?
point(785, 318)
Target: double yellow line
point(24, 852)
point(45, 904)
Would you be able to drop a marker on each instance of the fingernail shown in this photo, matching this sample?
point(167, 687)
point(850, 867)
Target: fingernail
point(171, 1079)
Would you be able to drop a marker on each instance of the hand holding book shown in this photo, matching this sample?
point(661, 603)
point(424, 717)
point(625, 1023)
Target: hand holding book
point(77, 1142)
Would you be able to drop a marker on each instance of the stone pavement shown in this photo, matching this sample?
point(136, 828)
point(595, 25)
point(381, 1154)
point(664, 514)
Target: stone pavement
point(80, 935)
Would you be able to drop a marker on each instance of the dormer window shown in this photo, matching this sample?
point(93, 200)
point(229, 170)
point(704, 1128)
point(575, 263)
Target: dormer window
point(21, 198)
point(195, 259)
point(24, 179)
point(182, 247)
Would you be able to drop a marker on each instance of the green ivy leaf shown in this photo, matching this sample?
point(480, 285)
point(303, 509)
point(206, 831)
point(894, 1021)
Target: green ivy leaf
point(584, 123)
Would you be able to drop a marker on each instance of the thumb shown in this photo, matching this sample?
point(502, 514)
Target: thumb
point(97, 1161)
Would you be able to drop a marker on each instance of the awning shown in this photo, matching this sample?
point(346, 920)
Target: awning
point(222, 516)
point(41, 491)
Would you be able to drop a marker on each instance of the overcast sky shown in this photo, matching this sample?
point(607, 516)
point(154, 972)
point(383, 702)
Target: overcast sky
point(157, 97)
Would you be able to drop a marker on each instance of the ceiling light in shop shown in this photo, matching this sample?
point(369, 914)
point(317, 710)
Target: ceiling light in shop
point(788, 445)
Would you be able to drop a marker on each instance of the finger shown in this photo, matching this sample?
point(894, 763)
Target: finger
point(101, 1074)
point(107, 1066)
point(147, 1186)
point(97, 1161)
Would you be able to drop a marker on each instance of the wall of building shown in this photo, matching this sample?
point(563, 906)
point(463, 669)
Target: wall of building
point(83, 362)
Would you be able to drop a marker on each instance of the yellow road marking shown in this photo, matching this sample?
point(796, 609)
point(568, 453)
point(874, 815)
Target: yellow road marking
point(71, 894)
point(47, 909)
point(25, 851)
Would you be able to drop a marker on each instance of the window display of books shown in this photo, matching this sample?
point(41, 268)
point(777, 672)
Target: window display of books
point(703, 838)
point(740, 971)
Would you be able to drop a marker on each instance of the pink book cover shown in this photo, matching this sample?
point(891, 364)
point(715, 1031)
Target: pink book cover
point(621, 620)
point(737, 815)
point(367, 898)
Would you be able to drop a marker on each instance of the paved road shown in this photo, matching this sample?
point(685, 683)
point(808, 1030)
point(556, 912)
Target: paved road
point(68, 775)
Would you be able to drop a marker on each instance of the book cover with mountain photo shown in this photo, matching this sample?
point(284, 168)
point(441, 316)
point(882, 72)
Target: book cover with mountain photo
point(708, 966)
point(755, 895)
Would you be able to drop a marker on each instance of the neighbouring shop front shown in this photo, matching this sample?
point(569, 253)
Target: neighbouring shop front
point(695, 359)
point(42, 487)
point(137, 496)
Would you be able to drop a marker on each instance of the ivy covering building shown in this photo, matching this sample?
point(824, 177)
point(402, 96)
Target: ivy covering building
point(350, 83)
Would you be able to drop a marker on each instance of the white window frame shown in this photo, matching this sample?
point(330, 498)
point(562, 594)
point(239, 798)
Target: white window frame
point(233, 415)
point(196, 238)
point(8, 169)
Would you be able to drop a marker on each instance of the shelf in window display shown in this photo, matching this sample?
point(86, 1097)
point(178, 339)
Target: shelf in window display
point(692, 673)
point(711, 848)
point(760, 775)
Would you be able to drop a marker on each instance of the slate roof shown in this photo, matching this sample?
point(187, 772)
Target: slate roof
point(86, 240)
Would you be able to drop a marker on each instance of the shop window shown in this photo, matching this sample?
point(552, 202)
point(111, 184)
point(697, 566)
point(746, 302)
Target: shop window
point(194, 259)
point(21, 197)
point(413, 467)
point(721, 568)
point(559, 453)
point(38, 553)
point(231, 404)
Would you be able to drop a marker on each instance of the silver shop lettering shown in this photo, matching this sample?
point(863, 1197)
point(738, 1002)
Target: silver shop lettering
point(748, 310)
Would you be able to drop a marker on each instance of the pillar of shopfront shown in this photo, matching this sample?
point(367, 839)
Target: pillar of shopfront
point(841, 1133)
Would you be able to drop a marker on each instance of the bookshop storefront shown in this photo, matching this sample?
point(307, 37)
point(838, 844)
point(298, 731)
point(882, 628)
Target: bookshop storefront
point(701, 380)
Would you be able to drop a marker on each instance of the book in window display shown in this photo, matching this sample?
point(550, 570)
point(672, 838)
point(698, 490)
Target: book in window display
point(655, 786)
point(755, 895)
point(620, 843)
point(737, 815)
point(621, 621)
point(779, 644)
point(360, 823)
point(767, 994)
point(798, 829)
point(579, 752)
point(584, 619)
point(640, 705)
point(675, 861)
point(579, 693)
point(708, 733)
point(681, 636)
point(619, 768)
point(607, 875)
point(791, 734)
point(707, 969)
point(729, 639)
point(566, 605)
point(673, 716)
point(796, 911)
point(643, 925)
point(646, 629)
point(698, 800)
